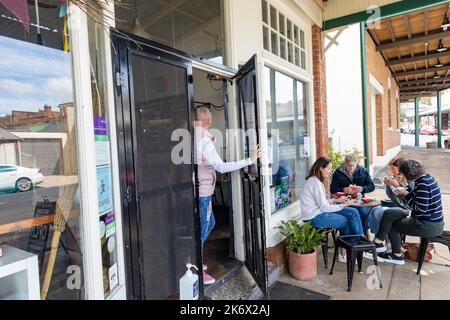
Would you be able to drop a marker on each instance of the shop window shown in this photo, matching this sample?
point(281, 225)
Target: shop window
point(106, 211)
point(289, 147)
point(39, 178)
point(193, 26)
point(286, 34)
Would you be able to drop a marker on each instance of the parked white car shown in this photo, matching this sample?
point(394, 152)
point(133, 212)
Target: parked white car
point(16, 178)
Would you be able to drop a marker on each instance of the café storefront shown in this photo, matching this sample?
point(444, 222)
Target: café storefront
point(114, 216)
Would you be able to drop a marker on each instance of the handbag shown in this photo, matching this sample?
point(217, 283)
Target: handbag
point(411, 251)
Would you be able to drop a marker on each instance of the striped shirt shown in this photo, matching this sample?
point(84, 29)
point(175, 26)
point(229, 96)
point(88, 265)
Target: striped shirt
point(425, 200)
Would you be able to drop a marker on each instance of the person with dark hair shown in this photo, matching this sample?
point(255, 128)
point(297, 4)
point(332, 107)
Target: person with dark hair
point(397, 181)
point(426, 218)
point(324, 213)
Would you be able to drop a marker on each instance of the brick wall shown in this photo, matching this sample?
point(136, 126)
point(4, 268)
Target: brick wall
point(388, 135)
point(320, 93)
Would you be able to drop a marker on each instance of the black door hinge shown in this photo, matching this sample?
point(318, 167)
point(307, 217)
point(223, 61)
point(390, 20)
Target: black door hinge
point(127, 193)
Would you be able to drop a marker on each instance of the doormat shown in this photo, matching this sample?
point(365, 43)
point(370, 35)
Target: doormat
point(283, 291)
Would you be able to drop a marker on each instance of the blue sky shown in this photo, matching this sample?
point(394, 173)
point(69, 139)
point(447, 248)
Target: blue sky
point(32, 76)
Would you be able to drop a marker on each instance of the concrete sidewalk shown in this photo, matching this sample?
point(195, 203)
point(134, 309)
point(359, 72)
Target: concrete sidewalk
point(399, 282)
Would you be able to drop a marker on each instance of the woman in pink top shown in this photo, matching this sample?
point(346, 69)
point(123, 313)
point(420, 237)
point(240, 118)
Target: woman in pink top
point(209, 162)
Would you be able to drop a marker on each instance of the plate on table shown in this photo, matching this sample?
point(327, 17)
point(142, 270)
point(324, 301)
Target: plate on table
point(372, 203)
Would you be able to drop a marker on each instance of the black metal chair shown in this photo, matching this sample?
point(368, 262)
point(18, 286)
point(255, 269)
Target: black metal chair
point(355, 245)
point(325, 244)
point(444, 238)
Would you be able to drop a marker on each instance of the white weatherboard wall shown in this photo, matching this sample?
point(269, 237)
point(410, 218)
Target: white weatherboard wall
point(244, 39)
point(344, 96)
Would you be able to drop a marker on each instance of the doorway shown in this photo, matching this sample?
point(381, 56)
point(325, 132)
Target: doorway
point(157, 89)
point(210, 90)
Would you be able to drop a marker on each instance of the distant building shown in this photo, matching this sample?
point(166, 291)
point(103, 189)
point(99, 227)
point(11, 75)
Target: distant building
point(24, 118)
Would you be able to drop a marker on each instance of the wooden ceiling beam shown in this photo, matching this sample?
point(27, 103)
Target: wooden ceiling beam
point(421, 57)
point(406, 41)
point(404, 84)
point(432, 87)
point(420, 71)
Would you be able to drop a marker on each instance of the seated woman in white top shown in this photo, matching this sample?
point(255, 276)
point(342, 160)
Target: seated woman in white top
point(324, 213)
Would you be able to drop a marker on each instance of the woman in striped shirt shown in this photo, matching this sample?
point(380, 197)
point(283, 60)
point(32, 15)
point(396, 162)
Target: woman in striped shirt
point(426, 218)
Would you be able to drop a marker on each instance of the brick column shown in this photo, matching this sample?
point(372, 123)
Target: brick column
point(320, 93)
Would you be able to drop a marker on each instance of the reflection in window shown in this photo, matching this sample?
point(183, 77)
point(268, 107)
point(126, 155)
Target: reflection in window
point(288, 137)
point(39, 194)
point(192, 26)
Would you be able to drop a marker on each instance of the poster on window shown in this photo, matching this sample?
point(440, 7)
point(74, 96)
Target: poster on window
point(104, 189)
point(307, 147)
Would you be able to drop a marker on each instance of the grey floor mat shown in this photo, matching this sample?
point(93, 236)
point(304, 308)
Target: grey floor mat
point(283, 291)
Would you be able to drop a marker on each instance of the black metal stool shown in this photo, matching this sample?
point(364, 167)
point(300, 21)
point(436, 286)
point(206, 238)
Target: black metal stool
point(325, 244)
point(355, 245)
point(444, 238)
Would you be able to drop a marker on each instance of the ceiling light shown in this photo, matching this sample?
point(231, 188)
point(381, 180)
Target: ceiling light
point(446, 24)
point(137, 27)
point(441, 47)
point(436, 75)
point(438, 64)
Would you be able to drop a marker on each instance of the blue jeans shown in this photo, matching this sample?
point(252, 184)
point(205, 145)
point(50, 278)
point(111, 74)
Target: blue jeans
point(347, 221)
point(363, 212)
point(374, 218)
point(207, 220)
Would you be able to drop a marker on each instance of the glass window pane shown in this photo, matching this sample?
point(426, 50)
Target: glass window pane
point(302, 39)
point(273, 18)
point(282, 25)
point(290, 52)
point(289, 30)
point(193, 26)
point(282, 48)
point(297, 56)
point(296, 35)
point(267, 95)
point(302, 166)
point(303, 60)
point(38, 115)
point(266, 38)
point(284, 173)
point(274, 41)
point(288, 160)
point(264, 11)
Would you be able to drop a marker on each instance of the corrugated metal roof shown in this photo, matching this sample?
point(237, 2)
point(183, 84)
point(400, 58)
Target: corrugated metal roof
point(6, 136)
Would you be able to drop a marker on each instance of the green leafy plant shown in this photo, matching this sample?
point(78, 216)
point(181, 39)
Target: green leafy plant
point(337, 158)
point(302, 239)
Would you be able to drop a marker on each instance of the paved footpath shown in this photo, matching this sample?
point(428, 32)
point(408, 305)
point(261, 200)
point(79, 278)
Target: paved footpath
point(399, 282)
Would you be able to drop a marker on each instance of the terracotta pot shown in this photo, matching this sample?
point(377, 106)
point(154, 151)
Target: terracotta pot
point(303, 267)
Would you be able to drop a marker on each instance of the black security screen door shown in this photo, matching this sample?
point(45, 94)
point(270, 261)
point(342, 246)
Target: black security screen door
point(251, 177)
point(154, 95)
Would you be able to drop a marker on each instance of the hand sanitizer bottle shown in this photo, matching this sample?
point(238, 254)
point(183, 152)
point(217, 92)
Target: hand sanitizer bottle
point(189, 286)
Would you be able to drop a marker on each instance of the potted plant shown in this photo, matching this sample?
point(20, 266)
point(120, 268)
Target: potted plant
point(301, 242)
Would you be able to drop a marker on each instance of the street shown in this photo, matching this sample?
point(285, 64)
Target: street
point(409, 140)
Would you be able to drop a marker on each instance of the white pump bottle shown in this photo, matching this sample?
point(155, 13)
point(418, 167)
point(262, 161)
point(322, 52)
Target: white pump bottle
point(189, 286)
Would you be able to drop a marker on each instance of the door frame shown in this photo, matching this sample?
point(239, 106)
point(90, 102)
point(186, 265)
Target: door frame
point(125, 115)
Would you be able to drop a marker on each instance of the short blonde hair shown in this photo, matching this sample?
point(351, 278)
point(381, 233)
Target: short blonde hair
point(201, 112)
point(350, 158)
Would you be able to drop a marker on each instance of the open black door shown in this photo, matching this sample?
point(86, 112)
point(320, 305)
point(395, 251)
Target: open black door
point(154, 98)
point(251, 177)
